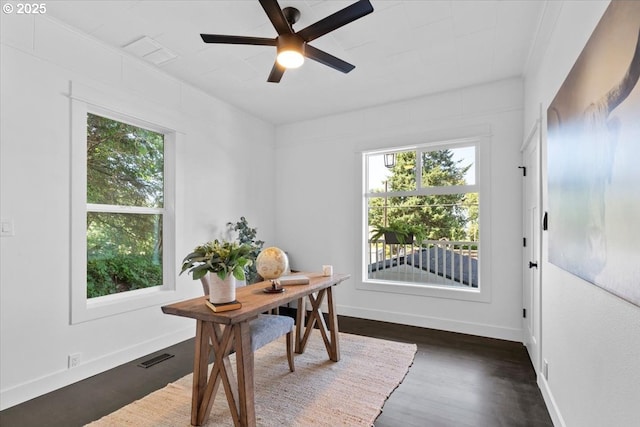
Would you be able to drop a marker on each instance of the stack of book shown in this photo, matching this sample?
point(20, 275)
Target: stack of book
point(294, 279)
point(227, 306)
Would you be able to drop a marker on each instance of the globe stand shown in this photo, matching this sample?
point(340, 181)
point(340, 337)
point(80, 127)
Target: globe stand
point(275, 285)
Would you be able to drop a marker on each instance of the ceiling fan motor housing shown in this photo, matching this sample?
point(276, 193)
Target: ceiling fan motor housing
point(291, 42)
point(291, 14)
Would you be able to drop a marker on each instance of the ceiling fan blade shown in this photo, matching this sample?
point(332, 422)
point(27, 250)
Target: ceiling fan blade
point(276, 16)
point(216, 38)
point(336, 20)
point(327, 59)
point(276, 73)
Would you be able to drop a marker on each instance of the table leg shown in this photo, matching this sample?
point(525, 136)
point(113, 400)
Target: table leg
point(200, 365)
point(244, 360)
point(330, 337)
point(333, 326)
point(221, 342)
point(301, 310)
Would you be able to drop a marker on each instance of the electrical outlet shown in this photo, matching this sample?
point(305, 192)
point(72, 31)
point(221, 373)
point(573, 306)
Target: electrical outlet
point(545, 369)
point(74, 360)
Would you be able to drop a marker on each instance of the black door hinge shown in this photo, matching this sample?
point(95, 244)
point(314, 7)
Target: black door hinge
point(524, 313)
point(524, 170)
point(524, 242)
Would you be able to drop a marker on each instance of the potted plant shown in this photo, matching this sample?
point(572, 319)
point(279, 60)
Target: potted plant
point(224, 261)
point(247, 236)
point(398, 233)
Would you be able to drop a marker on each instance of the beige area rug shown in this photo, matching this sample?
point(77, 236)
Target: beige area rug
point(350, 392)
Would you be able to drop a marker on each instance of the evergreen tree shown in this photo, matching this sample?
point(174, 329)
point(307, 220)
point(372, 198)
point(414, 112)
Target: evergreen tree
point(450, 216)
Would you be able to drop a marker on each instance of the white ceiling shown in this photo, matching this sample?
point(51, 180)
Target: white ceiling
point(404, 49)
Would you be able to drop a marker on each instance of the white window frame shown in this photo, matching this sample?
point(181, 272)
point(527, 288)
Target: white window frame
point(481, 186)
point(85, 309)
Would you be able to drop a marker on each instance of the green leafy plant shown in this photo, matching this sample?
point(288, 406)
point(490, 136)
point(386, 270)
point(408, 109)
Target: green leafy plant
point(404, 233)
point(221, 257)
point(121, 273)
point(247, 236)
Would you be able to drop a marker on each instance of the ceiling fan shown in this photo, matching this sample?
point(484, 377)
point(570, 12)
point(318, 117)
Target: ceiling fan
point(292, 45)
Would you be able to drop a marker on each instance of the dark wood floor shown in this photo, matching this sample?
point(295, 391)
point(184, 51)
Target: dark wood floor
point(456, 380)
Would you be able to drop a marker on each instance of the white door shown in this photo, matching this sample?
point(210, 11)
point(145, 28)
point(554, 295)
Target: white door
point(531, 253)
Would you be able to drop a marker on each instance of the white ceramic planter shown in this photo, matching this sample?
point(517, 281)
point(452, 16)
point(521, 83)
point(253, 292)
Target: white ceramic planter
point(221, 291)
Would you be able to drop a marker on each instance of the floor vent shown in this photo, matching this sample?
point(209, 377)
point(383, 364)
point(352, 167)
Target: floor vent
point(155, 360)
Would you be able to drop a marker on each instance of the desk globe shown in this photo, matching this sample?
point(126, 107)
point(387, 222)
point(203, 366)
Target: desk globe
point(272, 263)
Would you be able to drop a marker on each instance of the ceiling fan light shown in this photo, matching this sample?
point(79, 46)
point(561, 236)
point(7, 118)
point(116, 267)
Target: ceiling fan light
point(290, 50)
point(290, 59)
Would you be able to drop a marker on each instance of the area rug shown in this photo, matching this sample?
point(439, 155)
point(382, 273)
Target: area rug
point(350, 392)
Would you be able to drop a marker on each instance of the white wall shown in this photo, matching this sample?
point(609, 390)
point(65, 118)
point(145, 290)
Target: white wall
point(590, 338)
point(221, 176)
point(319, 179)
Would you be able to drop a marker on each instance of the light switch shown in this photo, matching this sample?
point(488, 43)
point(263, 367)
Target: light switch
point(7, 227)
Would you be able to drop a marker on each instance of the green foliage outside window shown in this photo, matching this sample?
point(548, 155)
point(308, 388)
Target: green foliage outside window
point(125, 164)
point(121, 273)
point(125, 168)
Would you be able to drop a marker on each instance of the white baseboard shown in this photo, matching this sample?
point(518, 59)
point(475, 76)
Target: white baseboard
point(48, 383)
point(490, 331)
point(554, 412)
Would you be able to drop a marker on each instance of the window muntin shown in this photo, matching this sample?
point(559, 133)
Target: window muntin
point(125, 198)
point(439, 194)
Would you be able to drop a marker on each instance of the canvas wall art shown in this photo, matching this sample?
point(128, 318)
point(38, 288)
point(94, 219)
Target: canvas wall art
point(593, 158)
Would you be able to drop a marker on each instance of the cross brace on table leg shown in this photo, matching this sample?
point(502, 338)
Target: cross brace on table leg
point(331, 344)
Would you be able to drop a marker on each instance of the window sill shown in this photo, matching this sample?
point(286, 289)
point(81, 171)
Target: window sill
point(95, 308)
point(425, 290)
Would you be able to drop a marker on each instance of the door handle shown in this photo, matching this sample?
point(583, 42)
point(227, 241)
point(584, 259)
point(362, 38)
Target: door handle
point(533, 264)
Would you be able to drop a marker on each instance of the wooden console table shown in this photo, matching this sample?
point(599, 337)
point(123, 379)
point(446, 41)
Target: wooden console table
point(235, 335)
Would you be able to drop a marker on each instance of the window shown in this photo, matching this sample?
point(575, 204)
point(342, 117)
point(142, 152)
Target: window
point(422, 217)
point(125, 196)
point(122, 212)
